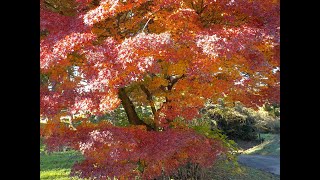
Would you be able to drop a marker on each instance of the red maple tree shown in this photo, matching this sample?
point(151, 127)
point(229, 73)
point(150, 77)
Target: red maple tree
point(169, 55)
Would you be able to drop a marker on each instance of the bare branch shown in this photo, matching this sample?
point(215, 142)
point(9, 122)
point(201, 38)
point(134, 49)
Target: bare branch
point(145, 25)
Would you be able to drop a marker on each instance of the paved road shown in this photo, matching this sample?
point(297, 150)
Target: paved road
point(265, 163)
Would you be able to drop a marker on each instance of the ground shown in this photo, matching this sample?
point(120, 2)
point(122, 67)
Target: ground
point(264, 156)
point(227, 171)
point(265, 163)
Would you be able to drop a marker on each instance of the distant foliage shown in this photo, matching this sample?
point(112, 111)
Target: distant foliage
point(240, 122)
point(272, 109)
point(234, 124)
point(268, 118)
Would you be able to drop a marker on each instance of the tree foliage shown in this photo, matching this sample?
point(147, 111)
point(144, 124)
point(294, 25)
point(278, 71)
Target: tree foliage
point(133, 151)
point(168, 55)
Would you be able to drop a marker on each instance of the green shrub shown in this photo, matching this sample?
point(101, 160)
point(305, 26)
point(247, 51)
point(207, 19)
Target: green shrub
point(266, 122)
point(232, 123)
point(239, 122)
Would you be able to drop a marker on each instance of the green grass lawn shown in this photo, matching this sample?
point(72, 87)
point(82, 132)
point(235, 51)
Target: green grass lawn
point(57, 165)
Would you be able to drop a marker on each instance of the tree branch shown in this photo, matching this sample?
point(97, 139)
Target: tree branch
point(173, 80)
point(145, 25)
point(149, 98)
point(129, 108)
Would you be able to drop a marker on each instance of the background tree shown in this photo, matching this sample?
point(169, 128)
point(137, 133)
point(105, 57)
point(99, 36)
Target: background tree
point(168, 55)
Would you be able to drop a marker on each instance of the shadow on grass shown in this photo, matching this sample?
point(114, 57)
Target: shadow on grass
point(223, 170)
point(270, 147)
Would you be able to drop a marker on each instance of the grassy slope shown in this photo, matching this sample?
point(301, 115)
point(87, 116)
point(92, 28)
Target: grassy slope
point(226, 171)
point(270, 146)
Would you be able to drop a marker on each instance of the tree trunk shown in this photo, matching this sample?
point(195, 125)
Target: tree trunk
point(130, 110)
point(153, 108)
point(149, 98)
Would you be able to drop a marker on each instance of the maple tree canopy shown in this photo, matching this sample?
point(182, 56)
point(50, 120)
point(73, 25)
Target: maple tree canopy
point(169, 55)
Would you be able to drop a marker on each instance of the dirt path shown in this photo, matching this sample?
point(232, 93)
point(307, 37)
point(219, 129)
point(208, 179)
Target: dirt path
point(266, 163)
